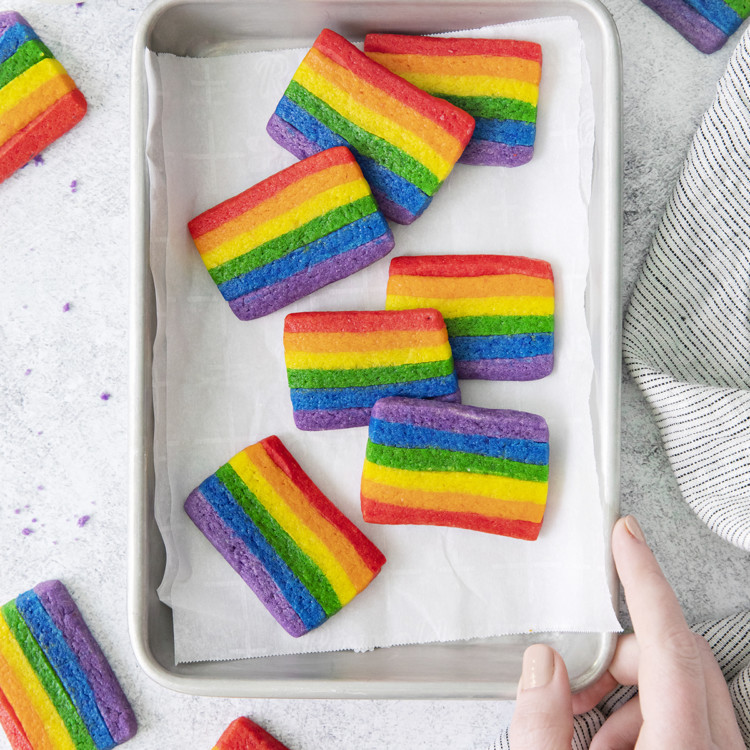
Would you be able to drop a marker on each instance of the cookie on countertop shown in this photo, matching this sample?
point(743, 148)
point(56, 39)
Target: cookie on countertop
point(441, 464)
point(495, 80)
point(405, 140)
point(243, 734)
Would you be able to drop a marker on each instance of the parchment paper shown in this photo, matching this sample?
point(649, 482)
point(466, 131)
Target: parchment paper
point(220, 384)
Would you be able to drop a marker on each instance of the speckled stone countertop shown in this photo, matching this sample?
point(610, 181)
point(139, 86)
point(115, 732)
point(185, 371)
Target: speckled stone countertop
point(64, 382)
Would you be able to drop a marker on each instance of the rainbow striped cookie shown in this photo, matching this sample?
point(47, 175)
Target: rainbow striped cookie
point(39, 101)
point(494, 80)
point(499, 310)
point(440, 464)
point(340, 363)
point(405, 140)
point(243, 734)
point(58, 690)
point(300, 555)
point(309, 225)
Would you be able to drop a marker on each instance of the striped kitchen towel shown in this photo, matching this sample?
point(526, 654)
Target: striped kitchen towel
point(687, 331)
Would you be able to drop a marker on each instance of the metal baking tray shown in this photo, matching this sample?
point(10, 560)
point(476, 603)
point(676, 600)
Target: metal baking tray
point(479, 669)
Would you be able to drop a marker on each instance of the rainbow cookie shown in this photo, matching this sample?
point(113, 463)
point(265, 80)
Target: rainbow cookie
point(57, 689)
point(499, 310)
point(340, 363)
point(430, 462)
point(494, 80)
point(300, 555)
point(38, 99)
point(405, 140)
point(706, 24)
point(243, 734)
point(309, 225)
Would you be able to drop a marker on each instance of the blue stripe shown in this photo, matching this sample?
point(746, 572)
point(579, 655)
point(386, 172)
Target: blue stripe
point(502, 347)
point(350, 398)
point(510, 132)
point(402, 435)
point(13, 38)
point(718, 13)
point(301, 600)
point(66, 665)
point(342, 240)
point(381, 179)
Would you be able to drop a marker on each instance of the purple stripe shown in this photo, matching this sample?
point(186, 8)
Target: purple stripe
point(469, 420)
point(250, 568)
point(111, 701)
point(392, 210)
point(290, 138)
point(493, 154)
point(520, 368)
point(284, 292)
point(11, 18)
point(697, 29)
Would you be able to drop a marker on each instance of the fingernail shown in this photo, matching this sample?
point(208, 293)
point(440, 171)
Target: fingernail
point(538, 666)
point(634, 529)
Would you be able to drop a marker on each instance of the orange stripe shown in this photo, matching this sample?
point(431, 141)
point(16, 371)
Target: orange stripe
point(510, 285)
point(16, 694)
point(341, 548)
point(361, 342)
point(286, 200)
point(477, 65)
point(33, 105)
point(381, 102)
point(453, 502)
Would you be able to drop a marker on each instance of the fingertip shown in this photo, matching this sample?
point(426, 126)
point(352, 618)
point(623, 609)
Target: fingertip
point(538, 666)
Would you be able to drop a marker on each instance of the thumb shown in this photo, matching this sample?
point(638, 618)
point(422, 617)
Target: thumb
point(543, 718)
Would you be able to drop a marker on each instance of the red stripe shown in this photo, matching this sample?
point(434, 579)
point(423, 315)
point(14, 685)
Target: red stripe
point(254, 196)
point(279, 454)
point(41, 132)
point(375, 512)
point(445, 46)
point(469, 265)
point(363, 321)
point(451, 119)
point(243, 734)
point(12, 726)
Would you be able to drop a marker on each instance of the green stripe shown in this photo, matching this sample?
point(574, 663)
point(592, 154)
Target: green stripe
point(26, 56)
point(499, 325)
point(493, 107)
point(284, 244)
point(298, 562)
point(48, 677)
point(740, 7)
point(369, 375)
point(439, 459)
point(365, 143)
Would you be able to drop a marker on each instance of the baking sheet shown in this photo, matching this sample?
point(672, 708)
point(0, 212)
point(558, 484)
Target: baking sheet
point(223, 383)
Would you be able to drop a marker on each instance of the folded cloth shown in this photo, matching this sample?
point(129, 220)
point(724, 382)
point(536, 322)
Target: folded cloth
point(686, 337)
point(729, 639)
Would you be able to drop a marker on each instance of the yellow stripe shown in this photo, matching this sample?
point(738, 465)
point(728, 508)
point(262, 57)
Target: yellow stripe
point(326, 201)
point(361, 341)
point(347, 106)
point(362, 360)
point(482, 306)
point(21, 86)
point(14, 656)
point(486, 485)
point(475, 86)
point(302, 535)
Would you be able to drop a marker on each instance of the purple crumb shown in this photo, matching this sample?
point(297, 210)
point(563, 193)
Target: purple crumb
point(26, 532)
point(38, 159)
point(17, 511)
point(105, 396)
point(83, 520)
point(66, 307)
point(39, 487)
point(74, 186)
point(28, 371)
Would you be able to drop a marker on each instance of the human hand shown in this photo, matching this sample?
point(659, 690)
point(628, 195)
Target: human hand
point(682, 702)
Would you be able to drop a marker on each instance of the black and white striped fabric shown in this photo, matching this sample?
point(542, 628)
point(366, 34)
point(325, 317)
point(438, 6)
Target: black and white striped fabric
point(687, 330)
point(729, 639)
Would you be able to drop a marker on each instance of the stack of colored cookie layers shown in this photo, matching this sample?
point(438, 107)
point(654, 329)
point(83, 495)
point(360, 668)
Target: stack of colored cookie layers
point(494, 80)
point(499, 310)
point(243, 734)
point(300, 555)
point(38, 99)
point(706, 24)
point(57, 689)
point(405, 140)
point(309, 225)
point(443, 464)
point(340, 363)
